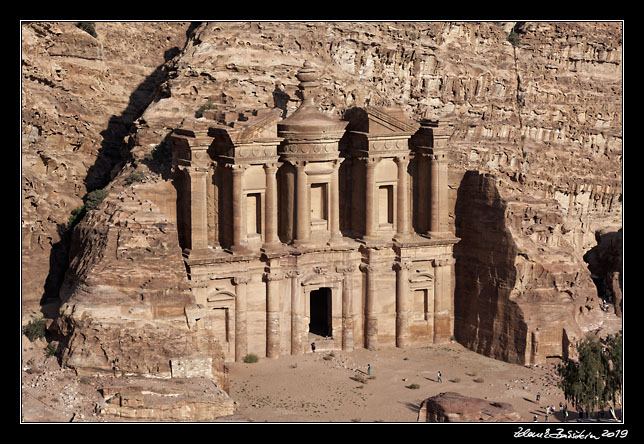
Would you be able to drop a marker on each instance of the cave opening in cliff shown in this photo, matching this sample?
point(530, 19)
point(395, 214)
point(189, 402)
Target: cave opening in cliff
point(320, 317)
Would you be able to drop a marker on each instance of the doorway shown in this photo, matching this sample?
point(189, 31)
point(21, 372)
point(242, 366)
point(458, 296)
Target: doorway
point(320, 315)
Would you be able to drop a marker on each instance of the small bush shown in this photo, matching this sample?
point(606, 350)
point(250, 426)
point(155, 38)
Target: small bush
point(94, 198)
point(202, 108)
point(514, 39)
point(76, 216)
point(456, 380)
point(413, 386)
point(251, 358)
point(88, 27)
point(137, 176)
point(35, 329)
point(50, 350)
point(479, 379)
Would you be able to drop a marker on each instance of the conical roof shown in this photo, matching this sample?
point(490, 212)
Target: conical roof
point(308, 119)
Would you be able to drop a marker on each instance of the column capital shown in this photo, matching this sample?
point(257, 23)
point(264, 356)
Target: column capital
point(369, 161)
point(367, 268)
point(292, 274)
point(402, 159)
point(239, 280)
point(402, 266)
point(273, 276)
point(271, 167)
point(236, 167)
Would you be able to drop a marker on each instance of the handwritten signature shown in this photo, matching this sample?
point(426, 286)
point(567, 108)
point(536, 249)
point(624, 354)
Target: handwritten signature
point(569, 434)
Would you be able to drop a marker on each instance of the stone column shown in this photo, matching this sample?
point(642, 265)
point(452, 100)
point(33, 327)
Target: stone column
point(334, 204)
point(403, 225)
point(442, 301)
point(241, 328)
point(273, 314)
point(438, 222)
point(270, 212)
point(198, 208)
point(302, 205)
point(402, 304)
point(296, 313)
point(237, 173)
point(371, 216)
point(371, 315)
point(347, 307)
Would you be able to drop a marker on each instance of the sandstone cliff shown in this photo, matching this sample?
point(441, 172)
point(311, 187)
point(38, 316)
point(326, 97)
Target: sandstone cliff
point(80, 95)
point(538, 121)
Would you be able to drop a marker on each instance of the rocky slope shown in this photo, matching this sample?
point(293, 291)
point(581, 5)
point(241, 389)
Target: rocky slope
point(535, 161)
point(80, 95)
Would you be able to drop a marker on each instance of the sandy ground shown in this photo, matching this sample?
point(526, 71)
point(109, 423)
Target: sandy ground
point(324, 386)
point(319, 387)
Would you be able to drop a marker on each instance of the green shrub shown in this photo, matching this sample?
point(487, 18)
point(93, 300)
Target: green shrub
point(77, 215)
point(251, 358)
point(94, 198)
point(137, 176)
point(413, 386)
point(204, 107)
point(88, 27)
point(35, 329)
point(514, 39)
point(50, 350)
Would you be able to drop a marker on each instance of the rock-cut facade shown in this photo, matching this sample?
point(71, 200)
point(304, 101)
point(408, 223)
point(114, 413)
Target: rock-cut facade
point(309, 229)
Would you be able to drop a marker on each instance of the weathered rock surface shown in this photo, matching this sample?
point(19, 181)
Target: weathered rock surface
point(523, 291)
point(80, 95)
point(454, 407)
point(184, 399)
point(535, 164)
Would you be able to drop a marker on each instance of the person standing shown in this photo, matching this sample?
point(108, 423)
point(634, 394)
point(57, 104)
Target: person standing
point(313, 346)
point(440, 377)
point(538, 397)
point(368, 369)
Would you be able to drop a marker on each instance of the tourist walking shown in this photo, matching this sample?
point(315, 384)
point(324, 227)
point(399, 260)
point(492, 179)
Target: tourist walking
point(368, 369)
point(538, 397)
point(313, 346)
point(440, 377)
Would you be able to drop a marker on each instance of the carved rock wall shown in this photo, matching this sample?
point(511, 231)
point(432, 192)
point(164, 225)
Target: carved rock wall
point(523, 291)
point(125, 296)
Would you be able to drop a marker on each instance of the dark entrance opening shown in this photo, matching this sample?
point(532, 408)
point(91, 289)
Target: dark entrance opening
point(320, 320)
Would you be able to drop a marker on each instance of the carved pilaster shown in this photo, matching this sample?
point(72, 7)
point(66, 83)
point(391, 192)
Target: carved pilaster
point(402, 303)
point(371, 218)
point(237, 171)
point(347, 306)
point(442, 299)
point(371, 315)
point(403, 224)
point(297, 321)
point(302, 205)
point(241, 328)
point(273, 293)
point(270, 213)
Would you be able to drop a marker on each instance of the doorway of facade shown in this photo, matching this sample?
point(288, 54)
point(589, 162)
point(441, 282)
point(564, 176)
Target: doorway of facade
point(320, 315)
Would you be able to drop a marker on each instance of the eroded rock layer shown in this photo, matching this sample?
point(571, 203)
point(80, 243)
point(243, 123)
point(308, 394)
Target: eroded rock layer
point(535, 163)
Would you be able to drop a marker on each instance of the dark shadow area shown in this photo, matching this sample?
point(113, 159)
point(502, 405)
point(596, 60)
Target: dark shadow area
point(411, 406)
point(112, 152)
point(113, 148)
point(280, 100)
